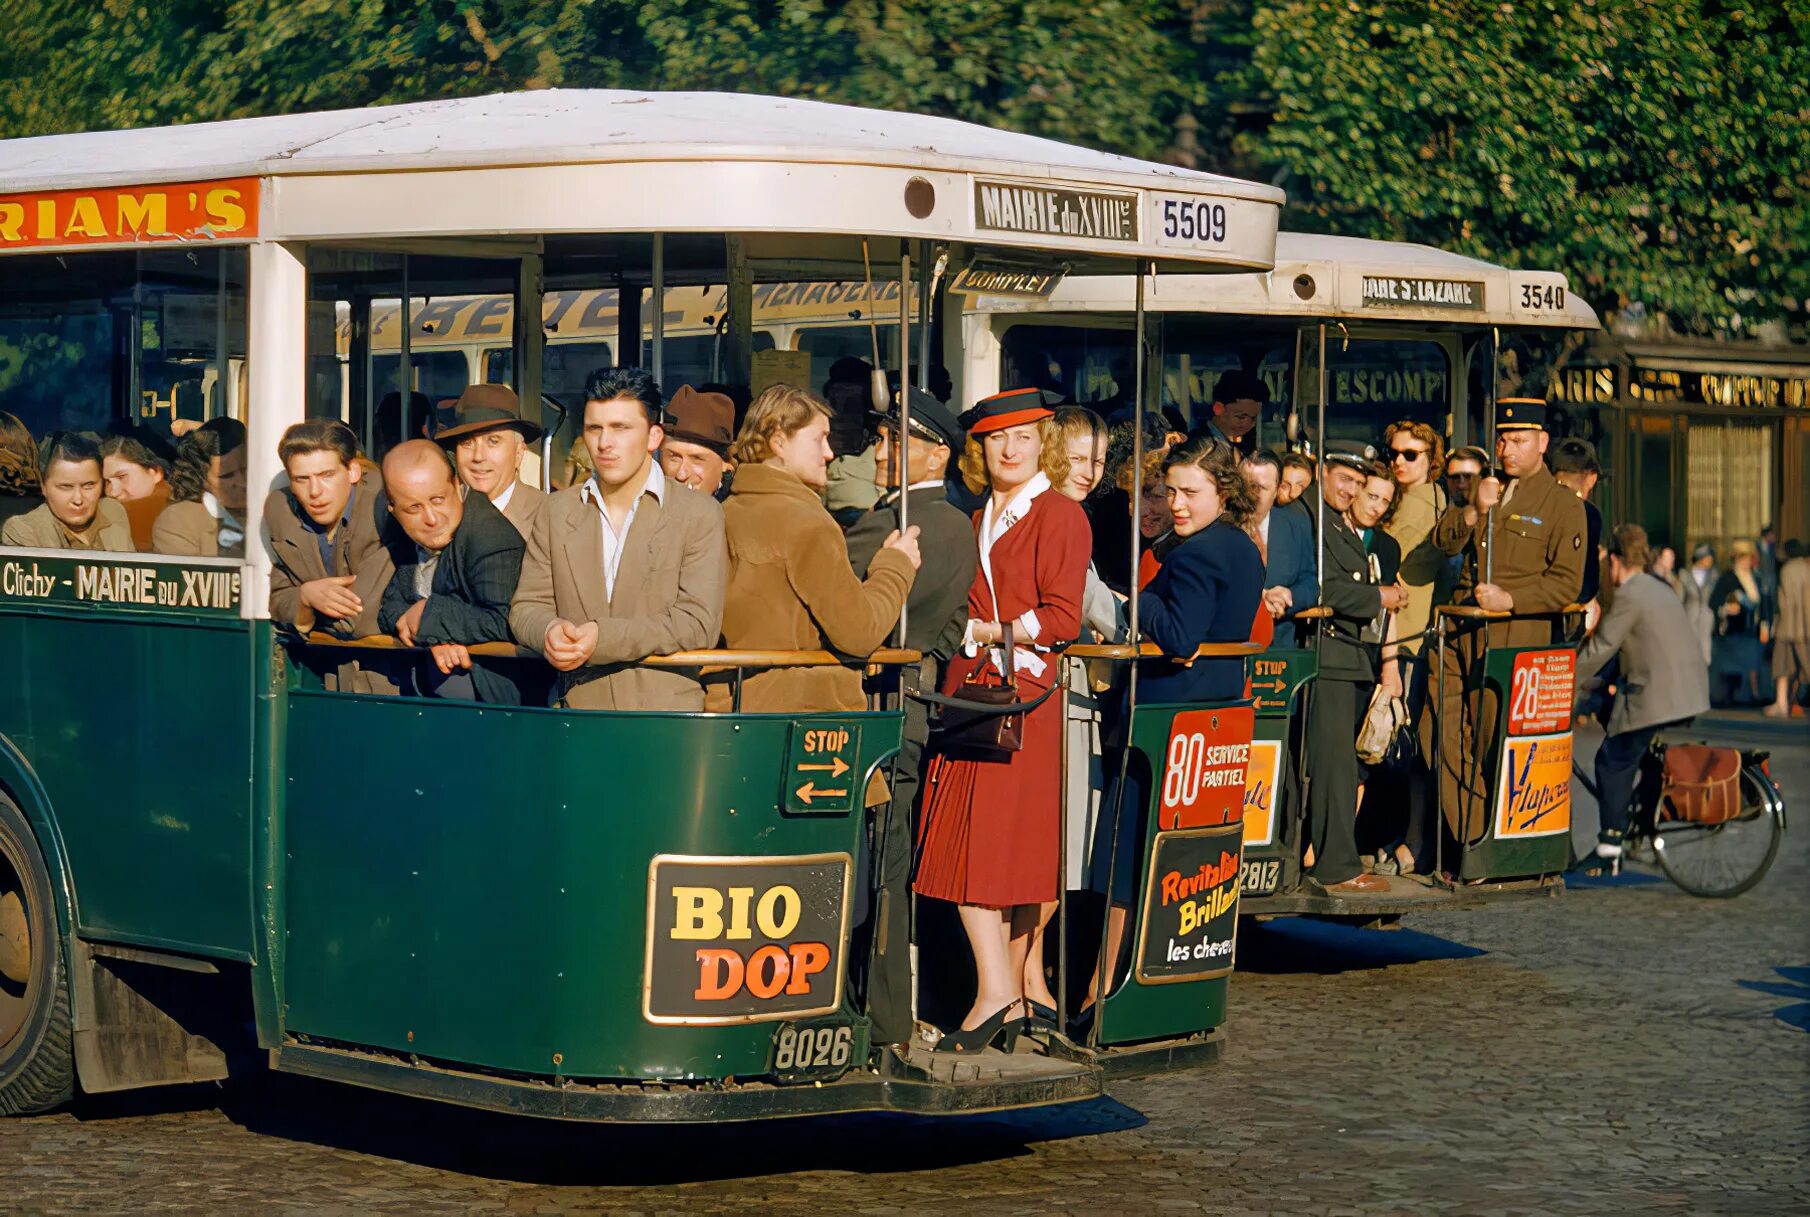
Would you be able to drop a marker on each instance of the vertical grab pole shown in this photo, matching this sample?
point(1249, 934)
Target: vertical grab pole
point(1104, 966)
point(902, 450)
point(1320, 438)
point(405, 371)
point(929, 271)
point(1489, 429)
point(657, 356)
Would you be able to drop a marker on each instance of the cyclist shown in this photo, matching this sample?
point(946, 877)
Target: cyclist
point(1663, 682)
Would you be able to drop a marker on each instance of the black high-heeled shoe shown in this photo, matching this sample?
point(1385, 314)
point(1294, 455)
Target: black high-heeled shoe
point(967, 1043)
point(1041, 1018)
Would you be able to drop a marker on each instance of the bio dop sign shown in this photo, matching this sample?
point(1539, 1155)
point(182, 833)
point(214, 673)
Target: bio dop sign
point(745, 940)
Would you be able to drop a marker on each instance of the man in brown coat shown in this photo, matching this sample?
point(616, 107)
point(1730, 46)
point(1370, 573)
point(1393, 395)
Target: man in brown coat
point(330, 544)
point(1536, 529)
point(488, 438)
point(624, 566)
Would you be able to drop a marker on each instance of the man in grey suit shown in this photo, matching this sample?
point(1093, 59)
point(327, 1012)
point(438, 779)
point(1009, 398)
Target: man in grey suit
point(625, 566)
point(1662, 683)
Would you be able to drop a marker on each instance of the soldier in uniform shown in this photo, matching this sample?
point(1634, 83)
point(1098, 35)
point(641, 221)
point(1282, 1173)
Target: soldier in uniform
point(1536, 530)
point(936, 613)
point(1352, 588)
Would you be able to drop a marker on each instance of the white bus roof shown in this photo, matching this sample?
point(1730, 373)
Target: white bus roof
point(594, 160)
point(1342, 278)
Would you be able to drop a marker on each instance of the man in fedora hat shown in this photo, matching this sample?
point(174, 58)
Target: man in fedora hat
point(699, 430)
point(936, 612)
point(488, 438)
point(1523, 547)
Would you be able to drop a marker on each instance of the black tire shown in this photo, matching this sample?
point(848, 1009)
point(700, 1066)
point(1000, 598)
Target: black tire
point(1710, 862)
point(37, 1065)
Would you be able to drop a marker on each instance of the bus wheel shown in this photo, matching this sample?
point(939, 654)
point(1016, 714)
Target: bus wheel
point(37, 1070)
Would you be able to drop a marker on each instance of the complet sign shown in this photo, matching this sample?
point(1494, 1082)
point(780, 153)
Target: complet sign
point(1383, 291)
point(1055, 211)
point(120, 583)
point(745, 940)
point(1190, 919)
point(985, 278)
point(1534, 799)
point(184, 211)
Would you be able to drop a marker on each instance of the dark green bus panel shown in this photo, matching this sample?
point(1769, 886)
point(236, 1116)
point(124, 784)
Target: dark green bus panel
point(133, 721)
point(473, 885)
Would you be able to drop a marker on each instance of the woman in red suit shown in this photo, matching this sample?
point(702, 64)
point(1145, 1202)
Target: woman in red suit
point(991, 834)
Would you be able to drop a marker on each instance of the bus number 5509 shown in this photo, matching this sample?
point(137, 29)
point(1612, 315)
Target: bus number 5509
point(1194, 220)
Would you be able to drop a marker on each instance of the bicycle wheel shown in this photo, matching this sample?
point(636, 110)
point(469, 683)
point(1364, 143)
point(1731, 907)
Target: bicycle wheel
point(1716, 861)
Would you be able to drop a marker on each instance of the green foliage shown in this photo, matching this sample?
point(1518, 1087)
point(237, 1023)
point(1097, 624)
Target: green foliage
point(1656, 150)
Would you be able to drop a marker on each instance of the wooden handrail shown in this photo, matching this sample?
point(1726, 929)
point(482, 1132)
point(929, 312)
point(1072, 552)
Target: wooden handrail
point(885, 657)
point(1318, 612)
point(1123, 651)
point(1470, 612)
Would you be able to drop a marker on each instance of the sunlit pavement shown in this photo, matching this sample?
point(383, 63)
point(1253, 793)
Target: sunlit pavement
point(1624, 1049)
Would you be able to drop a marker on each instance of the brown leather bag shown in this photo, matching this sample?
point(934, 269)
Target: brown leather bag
point(978, 732)
point(1702, 784)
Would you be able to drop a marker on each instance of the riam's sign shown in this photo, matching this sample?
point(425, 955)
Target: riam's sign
point(224, 209)
point(1399, 291)
point(119, 583)
point(745, 940)
point(1055, 211)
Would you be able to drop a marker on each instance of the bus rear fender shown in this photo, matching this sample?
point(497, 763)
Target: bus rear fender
point(20, 782)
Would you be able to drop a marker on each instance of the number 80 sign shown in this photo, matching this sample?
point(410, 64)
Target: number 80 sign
point(1204, 768)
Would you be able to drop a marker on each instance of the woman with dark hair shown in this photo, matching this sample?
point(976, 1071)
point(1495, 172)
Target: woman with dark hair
point(1209, 589)
point(74, 514)
point(991, 835)
point(206, 514)
point(137, 478)
point(18, 469)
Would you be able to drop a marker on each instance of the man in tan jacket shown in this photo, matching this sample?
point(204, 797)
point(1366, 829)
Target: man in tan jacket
point(488, 438)
point(624, 566)
point(74, 513)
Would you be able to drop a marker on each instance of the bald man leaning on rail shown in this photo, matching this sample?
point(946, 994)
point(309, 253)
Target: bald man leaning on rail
point(455, 592)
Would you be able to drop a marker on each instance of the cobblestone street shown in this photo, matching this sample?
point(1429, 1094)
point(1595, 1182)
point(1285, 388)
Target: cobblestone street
point(1625, 1049)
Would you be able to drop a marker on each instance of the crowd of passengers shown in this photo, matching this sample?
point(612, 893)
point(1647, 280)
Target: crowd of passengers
point(680, 530)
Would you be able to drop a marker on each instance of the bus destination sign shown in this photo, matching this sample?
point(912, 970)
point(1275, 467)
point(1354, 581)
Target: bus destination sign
point(1397, 291)
point(1055, 211)
point(120, 583)
point(184, 211)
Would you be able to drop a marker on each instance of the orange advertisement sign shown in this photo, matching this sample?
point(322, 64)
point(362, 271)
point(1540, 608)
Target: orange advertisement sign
point(1535, 795)
point(1204, 769)
point(1260, 781)
point(184, 211)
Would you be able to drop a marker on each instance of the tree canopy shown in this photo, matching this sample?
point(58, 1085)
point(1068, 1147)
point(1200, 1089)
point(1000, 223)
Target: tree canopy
point(1656, 152)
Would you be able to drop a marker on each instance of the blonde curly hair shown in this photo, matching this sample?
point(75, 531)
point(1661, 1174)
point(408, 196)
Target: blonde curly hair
point(780, 410)
point(1052, 459)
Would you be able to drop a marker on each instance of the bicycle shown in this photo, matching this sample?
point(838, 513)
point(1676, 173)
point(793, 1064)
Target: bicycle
point(1705, 847)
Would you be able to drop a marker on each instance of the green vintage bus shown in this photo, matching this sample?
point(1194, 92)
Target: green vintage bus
point(532, 910)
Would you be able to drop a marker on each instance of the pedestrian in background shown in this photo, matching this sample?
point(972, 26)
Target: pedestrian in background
point(1791, 633)
point(1743, 623)
point(1695, 588)
point(1576, 468)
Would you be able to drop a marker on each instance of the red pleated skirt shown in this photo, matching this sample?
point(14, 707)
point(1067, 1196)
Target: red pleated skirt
point(991, 831)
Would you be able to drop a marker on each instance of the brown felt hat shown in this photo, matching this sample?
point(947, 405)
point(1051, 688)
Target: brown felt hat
point(701, 418)
point(481, 408)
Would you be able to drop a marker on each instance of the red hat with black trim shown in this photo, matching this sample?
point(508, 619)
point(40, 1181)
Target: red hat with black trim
point(1012, 408)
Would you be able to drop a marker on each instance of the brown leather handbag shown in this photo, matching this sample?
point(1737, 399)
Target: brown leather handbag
point(971, 721)
point(1702, 784)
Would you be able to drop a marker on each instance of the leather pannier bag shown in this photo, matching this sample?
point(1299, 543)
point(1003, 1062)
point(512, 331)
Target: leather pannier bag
point(982, 732)
point(1702, 784)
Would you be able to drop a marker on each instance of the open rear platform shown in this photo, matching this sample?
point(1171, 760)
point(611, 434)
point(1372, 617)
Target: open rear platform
point(1404, 896)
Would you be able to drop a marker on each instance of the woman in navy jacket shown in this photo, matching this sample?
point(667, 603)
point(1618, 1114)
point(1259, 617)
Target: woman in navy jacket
point(1210, 585)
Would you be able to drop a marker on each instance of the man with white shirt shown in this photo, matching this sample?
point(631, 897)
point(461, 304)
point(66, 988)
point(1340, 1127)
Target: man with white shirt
point(488, 438)
point(626, 565)
point(1287, 542)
